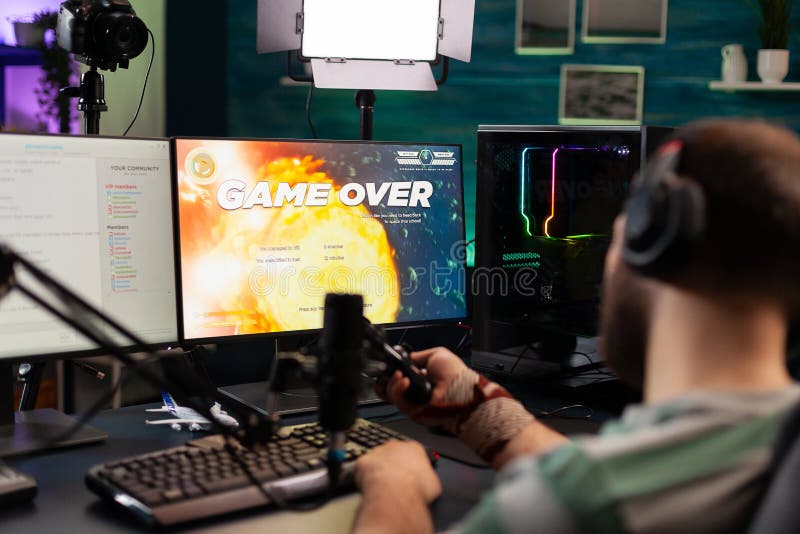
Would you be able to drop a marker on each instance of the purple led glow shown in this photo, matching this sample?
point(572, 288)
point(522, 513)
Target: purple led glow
point(553, 183)
point(14, 9)
point(20, 104)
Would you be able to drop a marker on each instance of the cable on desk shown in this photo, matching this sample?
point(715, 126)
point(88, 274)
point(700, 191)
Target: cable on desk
point(466, 340)
point(519, 357)
point(298, 395)
point(402, 336)
point(600, 373)
point(552, 413)
point(588, 358)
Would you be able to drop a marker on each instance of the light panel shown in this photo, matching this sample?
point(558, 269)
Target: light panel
point(371, 29)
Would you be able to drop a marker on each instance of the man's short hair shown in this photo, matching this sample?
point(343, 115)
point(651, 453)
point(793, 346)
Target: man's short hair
point(750, 173)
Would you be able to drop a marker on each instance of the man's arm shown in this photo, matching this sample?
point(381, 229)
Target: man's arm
point(386, 510)
point(397, 483)
point(536, 438)
point(480, 412)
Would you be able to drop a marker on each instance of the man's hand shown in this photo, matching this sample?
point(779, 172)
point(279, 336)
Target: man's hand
point(442, 367)
point(402, 465)
point(483, 414)
point(397, 483)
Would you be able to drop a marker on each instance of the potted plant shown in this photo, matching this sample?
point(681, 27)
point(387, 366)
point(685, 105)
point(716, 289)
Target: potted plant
point(26, 31)
point(57, 69)
point(773, 58)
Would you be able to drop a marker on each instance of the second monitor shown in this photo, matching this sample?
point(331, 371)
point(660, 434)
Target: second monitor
point(267, 228)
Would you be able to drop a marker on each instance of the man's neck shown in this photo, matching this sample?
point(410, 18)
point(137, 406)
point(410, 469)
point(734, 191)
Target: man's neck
point(701, 343)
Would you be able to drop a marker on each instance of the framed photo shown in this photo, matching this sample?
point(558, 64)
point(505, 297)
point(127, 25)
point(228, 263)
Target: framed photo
point(545, 27)
point(624, 21)
point(601, 94)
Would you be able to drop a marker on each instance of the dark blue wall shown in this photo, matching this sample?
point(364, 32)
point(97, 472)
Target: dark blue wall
point(501, 87)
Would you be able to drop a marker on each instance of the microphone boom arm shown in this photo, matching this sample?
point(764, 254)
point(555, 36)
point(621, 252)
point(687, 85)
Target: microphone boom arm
point(89, 321)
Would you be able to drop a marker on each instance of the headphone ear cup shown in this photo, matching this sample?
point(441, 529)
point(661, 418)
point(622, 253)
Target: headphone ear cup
point(693, 219)
point(663, 227)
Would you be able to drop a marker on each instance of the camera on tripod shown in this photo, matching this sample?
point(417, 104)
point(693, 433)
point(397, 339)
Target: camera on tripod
point(101, 33)
point(104, 34)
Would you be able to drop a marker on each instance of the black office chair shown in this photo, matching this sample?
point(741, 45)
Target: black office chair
point(778, 511)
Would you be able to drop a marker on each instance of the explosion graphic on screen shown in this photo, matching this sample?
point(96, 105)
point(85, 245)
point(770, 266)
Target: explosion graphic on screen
point(261, 270)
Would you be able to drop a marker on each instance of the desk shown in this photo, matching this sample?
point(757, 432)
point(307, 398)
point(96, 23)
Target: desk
point(64, 504)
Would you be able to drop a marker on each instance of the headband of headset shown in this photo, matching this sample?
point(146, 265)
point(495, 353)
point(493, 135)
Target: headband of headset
point(665, 215)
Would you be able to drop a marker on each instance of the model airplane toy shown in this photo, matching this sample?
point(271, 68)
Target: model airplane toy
point(186, 416)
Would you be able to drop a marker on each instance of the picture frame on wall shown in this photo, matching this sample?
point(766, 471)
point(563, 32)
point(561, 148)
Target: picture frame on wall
point(625, 21)
point(545, 27)
point(601, 95)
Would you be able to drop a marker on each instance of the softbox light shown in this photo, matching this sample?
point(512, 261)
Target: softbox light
point(368, 44)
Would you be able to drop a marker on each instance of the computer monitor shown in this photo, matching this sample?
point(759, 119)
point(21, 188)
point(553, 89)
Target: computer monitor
point(547, 199)
point(266, 228)
point(96, 214)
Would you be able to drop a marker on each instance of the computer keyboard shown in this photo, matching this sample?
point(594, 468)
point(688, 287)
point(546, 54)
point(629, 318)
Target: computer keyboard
point(15, 488)
point(201, 479)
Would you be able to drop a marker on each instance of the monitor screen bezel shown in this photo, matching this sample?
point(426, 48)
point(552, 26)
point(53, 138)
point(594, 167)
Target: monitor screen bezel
point(192, 342)
point(98, 351)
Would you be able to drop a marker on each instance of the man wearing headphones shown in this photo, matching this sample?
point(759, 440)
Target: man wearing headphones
point(699, 287)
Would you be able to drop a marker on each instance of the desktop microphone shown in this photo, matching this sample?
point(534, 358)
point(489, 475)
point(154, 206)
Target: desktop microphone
point(340, 368)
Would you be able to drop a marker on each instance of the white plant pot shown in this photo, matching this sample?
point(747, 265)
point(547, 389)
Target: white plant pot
point(28, 34)
point(773, 65)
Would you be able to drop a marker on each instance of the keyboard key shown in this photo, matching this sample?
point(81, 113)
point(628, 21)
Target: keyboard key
point(192, 491)
point(265, 474)
point(225, 484)
point(299, 467)
point(315, 463)
point(150, 497)
point(173, 494)
point(284, 470)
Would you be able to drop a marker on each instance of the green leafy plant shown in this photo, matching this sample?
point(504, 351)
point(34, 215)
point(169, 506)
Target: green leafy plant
point(57, 69)
point(775, 27)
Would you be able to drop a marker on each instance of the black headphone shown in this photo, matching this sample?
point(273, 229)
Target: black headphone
point(665, 216)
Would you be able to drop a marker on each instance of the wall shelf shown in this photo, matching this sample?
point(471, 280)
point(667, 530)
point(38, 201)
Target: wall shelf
point(753, 86)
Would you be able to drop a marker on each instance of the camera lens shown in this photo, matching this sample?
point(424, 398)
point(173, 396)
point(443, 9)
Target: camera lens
point(124, 37)
point(120, 36)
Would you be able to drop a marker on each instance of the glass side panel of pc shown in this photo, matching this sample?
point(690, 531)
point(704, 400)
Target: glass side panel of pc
point(547, 199)
point(96, 214)
point(267, 228)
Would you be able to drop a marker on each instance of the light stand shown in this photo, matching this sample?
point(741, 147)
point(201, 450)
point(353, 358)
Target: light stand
point(365, 102)
point(91, 99)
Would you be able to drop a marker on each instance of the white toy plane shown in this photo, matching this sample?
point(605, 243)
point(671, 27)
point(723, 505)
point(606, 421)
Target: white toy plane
point(186, 416)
